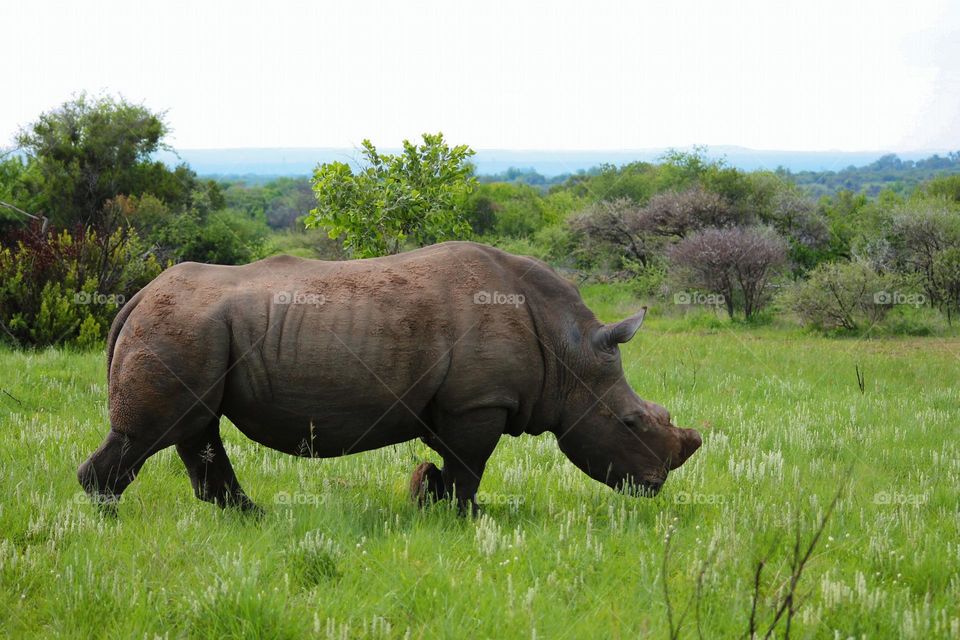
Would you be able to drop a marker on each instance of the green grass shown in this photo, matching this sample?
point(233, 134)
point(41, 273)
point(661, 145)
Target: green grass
point(341, 552)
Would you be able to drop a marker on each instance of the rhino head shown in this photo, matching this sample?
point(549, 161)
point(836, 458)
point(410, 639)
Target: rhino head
point(606, 429)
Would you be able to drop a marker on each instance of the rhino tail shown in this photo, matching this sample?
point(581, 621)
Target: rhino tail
point(117, 325)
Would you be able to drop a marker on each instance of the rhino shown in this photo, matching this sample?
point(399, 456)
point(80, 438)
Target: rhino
point(456, 344)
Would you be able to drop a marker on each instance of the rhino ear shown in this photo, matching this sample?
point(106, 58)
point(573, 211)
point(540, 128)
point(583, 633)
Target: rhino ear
point(610, 335)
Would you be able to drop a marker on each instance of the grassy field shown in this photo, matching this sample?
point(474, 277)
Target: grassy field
point(342, 553)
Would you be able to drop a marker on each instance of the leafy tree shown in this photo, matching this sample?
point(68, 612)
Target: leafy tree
point(89, 150)
point(12, 170)
point(418, 195)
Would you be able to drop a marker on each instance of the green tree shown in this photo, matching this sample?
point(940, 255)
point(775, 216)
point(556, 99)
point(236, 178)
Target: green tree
point(89, 150)
point(12, 170)
point(418, 195)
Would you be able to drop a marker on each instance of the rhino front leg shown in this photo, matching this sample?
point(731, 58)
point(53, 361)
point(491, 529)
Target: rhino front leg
point(465, 443)
point(211, 473)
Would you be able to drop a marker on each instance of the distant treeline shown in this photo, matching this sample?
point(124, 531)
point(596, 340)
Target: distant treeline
point(887, 172)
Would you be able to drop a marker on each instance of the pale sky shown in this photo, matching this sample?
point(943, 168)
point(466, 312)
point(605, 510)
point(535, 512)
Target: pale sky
point(807, 75)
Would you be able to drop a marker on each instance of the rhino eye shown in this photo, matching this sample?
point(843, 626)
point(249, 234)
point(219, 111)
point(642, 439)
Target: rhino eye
point(633, 422)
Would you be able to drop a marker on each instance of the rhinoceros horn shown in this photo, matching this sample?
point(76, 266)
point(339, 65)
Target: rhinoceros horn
point(610, 335)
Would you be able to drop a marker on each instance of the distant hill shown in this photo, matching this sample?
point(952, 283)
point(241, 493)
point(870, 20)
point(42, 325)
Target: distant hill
point(300, 162)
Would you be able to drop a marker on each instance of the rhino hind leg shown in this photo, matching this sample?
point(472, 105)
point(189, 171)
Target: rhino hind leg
point(211, 473)
point(112, 467)
point(465, 443)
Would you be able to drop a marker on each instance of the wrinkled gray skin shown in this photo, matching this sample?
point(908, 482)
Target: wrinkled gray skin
point(325, 359)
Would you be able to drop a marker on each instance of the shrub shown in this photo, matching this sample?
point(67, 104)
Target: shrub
point(840, 295)
point(63, 288)
point(649, 280)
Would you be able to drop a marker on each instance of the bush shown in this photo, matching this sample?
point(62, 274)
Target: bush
point(649, 280)
point(840, 295)
point(63, 288)
point(906, 320)
point(221, 237)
